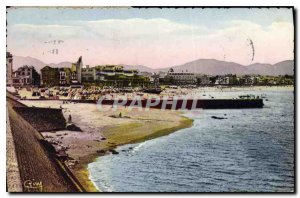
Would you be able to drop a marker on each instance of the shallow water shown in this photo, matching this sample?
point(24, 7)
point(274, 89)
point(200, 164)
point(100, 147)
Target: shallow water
point(250, 150)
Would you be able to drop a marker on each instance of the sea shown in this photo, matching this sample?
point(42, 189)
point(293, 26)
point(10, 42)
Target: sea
point(250, 150)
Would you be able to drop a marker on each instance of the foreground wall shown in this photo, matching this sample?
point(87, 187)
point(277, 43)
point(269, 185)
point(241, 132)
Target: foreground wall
point(34, 168)
point(43, 119)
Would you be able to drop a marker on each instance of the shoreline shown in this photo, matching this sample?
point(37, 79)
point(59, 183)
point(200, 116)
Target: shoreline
point(82, 172)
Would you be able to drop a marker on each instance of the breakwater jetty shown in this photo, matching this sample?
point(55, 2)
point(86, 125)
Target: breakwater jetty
point(189, 104)
point(178, 104)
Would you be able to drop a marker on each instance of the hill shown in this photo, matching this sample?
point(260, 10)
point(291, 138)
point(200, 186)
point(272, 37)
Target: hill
point(216, 67)
point(19, 61)
point(204, 66)
point(211, 67)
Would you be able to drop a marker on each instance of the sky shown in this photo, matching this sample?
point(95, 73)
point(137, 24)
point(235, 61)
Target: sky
point(153, 37)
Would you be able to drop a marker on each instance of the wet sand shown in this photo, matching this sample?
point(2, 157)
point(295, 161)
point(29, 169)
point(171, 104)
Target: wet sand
point(103, 131)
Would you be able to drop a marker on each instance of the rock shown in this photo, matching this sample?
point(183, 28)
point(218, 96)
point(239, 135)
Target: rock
point(73, 127)
point(101, 151)
point(48, 146)
point(218, 118)
point(114, 152)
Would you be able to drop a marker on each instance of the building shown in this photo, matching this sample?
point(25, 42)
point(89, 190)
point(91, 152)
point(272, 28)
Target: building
point(230, 80)
point(241, 80)
point(113, 70)
point(154, 79)
point(9, 66)
point(56, 76)
point(64, 76)
point(102, 72)
point(227, 80)
point(76, 69)
point(110, 75)
point(116, 75)
point(202, 79)
point(26, 75)
point(74, 74)
point(181, 77)
point(50, 76)
point(88, 74)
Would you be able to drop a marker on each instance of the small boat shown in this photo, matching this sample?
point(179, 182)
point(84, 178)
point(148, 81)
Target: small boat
point(153, 90)
point(247, 96)
point(173, 87)
point(35, 93)
point(126, 90)
point(263, 96)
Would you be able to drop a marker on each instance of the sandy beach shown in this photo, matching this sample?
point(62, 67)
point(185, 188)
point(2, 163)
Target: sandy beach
point(103, 131)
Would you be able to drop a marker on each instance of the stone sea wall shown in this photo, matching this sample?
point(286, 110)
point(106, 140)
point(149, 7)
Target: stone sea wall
point(36, 165)
point(43, 119)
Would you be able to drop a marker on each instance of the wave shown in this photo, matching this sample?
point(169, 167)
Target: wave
point(139, 146)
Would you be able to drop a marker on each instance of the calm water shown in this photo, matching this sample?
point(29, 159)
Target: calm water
point(251, 150)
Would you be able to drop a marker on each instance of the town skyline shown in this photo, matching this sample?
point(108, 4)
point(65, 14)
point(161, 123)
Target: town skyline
point(149, 66)
point(204, 66)
point(151, 38)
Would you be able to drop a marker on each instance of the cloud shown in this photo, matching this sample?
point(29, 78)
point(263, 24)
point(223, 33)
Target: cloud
point(272, 43)
point(137, 27)
point(155, 42)
point(43, 31)
point(111, 28)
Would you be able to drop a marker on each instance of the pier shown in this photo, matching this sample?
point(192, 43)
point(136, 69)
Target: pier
point(191, 104)
point(179, 104)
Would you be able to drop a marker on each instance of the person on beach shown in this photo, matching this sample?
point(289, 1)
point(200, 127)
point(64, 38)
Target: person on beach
point(69, 119)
